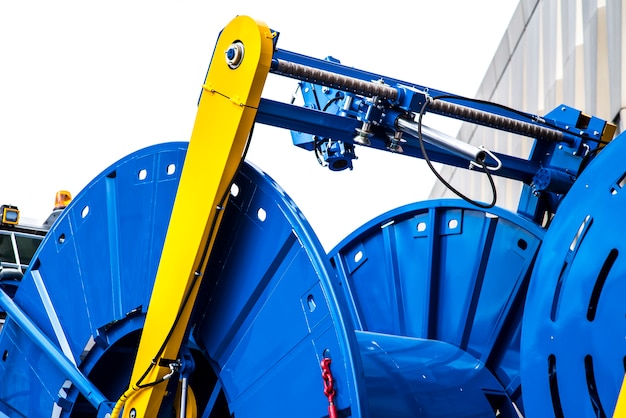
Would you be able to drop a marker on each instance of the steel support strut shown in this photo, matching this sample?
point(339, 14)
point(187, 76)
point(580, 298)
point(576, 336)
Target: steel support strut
point(55, 355)
point(226, 113)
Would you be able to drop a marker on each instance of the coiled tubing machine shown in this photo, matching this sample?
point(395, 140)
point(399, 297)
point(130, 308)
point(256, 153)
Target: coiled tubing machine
point(199, 290)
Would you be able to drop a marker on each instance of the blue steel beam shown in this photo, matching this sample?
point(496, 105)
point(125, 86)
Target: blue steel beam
point(328, 125)
point(411, 97)
point(78, 379)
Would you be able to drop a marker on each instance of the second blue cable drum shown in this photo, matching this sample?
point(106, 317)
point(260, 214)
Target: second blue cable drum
point(437, 291)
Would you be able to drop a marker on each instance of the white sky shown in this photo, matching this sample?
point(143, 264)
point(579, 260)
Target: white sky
point(84, 83)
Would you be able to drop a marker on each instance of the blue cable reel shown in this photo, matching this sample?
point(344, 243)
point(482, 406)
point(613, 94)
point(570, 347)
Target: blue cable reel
point(266, 318)
point(88, 287)
point(574, 328)
point(437, 290)
point(419, 311)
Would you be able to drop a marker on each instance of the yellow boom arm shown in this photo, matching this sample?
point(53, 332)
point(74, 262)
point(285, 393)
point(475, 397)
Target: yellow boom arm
point(226, 112)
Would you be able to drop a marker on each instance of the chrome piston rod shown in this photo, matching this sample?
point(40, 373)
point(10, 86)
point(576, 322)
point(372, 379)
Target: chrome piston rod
point(442, 140)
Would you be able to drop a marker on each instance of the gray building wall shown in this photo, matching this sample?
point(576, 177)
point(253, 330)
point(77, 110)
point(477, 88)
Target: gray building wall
point(553, 52)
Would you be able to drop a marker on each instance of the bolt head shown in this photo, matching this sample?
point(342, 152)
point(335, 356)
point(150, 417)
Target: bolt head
point(234, 54)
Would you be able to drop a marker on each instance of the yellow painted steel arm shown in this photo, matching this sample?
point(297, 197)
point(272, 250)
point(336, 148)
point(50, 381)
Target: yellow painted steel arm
point(226, 113)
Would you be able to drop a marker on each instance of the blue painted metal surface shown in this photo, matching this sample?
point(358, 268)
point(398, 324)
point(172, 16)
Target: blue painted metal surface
point(335, 111)
point(328, 125)
point(447, 279)
point(574, 327)
point(434, 309)
point(54, 354)
point(407, 330)
point(418, 377)
point(352, 106)
point(420, 309)
point(89, 284)
point(272, 314)
point(268, 310)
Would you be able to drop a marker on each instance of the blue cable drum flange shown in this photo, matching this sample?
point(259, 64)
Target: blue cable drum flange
point(574, 329)
point(88, 286)
point(265, 319)
point(437, 290)
point(271, 314)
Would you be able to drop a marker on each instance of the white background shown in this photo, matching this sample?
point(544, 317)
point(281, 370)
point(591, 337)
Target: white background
point(84, 83)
